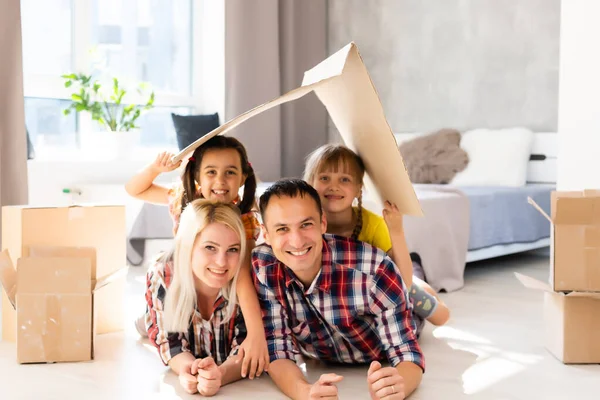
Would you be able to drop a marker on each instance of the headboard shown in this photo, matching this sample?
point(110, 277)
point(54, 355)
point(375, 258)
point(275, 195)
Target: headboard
point(542, 163)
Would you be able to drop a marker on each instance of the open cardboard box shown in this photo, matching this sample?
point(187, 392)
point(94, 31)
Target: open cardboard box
point(102, 227)
point(52, 291)
point(575, 240)
point(343, 85)
point(572, 323)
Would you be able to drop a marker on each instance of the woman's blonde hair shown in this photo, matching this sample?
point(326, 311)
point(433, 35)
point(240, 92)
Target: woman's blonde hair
point(336, 158)
point(181, 298)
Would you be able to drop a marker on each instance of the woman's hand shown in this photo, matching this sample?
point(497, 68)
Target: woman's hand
point(163, 163)
point(187, 379)
point(209, 376)
point(254, 355)
point(393, 217)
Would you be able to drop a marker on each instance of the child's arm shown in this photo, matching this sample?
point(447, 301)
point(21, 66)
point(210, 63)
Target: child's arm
point(399, 252)
point(256, 353)
point(141, 186)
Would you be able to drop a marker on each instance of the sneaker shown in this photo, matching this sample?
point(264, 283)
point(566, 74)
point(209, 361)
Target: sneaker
point(140, 325)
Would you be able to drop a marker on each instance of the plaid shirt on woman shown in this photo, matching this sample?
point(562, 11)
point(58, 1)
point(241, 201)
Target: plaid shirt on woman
point(203, 338)
point(355, 311)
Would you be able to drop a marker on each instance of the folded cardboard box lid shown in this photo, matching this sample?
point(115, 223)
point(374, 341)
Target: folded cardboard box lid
point(343, 85)
point(575, 255)
point(572, 323)
point(52, 295)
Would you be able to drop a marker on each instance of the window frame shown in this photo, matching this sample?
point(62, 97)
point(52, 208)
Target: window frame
point(47, 86)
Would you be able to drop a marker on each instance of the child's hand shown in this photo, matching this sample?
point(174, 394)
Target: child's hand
point(255, 355)
point(393, 217)
point(163, 162)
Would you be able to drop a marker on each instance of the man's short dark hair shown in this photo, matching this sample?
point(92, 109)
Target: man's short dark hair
point(289, 188)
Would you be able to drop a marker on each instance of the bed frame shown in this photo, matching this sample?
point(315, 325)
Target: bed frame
point(541, 170)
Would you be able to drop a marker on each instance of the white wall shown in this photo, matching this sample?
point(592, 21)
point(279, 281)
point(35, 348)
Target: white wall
point(579, 99)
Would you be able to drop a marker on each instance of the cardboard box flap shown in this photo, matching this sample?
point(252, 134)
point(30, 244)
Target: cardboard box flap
point(343, 85)
point(537, 207)
point(63, 251)
point(8, 277)
point(53, 275)
point(591, 295)
point(532, 283)
point(105, 280)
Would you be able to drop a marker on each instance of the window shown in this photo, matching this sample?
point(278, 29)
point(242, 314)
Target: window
point(133, 40)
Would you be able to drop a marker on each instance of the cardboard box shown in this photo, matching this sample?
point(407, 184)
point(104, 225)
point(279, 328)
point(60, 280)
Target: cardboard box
point(100, 227)
point(52, 294)
point(575, 240)
point(343, 85)
point(572, 323)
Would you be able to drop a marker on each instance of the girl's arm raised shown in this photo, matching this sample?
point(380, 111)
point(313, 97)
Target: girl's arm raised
point(399, 252)
point(142, 185)
point(256, 353)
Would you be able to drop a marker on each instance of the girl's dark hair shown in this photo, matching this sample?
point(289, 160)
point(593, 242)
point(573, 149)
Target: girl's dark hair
point(192, 170)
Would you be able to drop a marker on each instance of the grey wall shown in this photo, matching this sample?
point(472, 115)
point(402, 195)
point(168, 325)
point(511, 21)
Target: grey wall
point(456, 63)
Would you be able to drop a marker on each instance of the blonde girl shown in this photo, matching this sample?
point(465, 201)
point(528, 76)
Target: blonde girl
point(215, 171)
point(336, 172)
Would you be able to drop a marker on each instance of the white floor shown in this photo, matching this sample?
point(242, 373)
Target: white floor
point(491, 349)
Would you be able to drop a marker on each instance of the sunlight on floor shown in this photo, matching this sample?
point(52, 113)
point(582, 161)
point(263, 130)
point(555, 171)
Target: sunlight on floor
point(447, 332)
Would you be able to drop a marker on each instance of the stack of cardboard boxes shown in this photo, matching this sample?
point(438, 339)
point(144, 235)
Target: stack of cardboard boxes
point(572, 297)
point(58, 297)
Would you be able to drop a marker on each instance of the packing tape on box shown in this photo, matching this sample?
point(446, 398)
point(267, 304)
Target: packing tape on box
point(52, 329)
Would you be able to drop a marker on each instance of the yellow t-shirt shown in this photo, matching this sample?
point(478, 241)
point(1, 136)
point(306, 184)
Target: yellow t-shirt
point(374, 231)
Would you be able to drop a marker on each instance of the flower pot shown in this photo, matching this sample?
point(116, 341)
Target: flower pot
point(110, 144)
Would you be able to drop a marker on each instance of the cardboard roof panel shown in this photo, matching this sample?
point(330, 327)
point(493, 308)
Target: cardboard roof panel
point(343, 85)
point(54, 275)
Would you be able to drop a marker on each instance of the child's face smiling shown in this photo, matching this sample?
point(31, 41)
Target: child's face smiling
point(336, 189)
point(220, 175)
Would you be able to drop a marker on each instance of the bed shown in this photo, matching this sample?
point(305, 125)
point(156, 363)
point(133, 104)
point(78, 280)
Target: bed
point(467, 223)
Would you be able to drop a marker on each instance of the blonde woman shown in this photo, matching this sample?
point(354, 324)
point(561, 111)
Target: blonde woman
point(192, 314)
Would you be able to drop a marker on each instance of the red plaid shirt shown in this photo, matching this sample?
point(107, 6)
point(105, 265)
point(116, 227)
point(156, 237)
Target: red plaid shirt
point(203, 338)
point(356, 310)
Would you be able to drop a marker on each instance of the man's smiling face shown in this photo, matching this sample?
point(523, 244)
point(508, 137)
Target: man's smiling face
point(294, 228)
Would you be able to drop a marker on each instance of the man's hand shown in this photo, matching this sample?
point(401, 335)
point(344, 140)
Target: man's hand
point(325, 387)
point(254, 356)
point(187, 380)
point(385, 383)
point(209, 377)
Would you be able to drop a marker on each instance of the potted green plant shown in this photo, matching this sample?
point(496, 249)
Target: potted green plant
point(109, 109)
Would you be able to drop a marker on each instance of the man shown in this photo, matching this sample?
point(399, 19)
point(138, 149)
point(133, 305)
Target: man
point(333, 298)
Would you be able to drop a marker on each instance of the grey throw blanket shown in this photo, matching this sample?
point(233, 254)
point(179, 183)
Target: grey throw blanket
point(441, 236)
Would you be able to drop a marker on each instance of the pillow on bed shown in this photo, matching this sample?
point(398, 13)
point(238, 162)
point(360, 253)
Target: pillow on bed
point(496, 157)
point(434, 158)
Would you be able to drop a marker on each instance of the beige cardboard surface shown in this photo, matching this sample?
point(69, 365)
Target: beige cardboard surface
point(572, 325)
point(54, 309)
point(343, 85)
point(101, 227)
point(8, 277)
point(63, 251)
point(571, 322)
point(575, 240)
